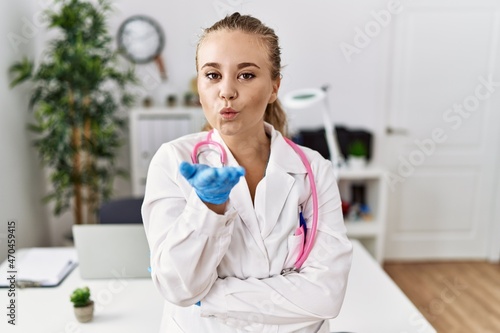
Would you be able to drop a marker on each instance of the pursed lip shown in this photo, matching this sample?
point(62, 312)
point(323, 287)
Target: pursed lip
point(228, 114)
point(227, 111)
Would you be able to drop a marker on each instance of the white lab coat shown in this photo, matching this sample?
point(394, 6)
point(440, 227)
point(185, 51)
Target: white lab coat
point(232, 262)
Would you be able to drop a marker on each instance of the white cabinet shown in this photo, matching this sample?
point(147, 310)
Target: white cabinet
point(149, 129)
point(370, 229)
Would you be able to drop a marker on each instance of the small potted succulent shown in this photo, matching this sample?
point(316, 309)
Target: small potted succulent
point(83, 305)
point(357, 154)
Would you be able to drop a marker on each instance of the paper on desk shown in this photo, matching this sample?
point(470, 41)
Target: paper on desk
point(44, 265)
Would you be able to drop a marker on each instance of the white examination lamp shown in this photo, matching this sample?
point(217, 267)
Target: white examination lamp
point(305, 98)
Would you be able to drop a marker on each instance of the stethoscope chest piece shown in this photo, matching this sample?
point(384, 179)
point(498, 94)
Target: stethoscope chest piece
point(289, 270)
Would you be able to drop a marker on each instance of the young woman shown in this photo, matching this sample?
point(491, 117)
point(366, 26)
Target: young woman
point(222, 237)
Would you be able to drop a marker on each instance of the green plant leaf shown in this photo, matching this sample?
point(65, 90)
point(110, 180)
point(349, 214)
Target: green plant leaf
point(357, 148)
point(22, 71)
point(80, 297)
point(78, 88)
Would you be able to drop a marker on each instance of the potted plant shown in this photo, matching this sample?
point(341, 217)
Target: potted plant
point(357, 153)
point(78, 88)
point(83, 305)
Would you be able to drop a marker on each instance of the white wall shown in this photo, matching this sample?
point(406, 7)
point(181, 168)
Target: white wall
point(494, 242)
point(311, 33)
point(20, 177)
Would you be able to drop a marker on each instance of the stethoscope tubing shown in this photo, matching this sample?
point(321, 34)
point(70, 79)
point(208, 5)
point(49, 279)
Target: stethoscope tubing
point(314, 193)
point(209, 141)
point(309, 241)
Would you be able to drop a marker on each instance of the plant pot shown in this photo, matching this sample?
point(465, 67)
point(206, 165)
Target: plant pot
point(85, 314)
point(356, 162)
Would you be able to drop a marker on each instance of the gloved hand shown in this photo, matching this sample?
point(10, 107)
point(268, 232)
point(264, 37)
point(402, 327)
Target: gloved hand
point(212, 185)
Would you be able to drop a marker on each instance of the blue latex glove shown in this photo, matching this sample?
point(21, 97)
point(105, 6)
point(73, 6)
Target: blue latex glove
point(212, 185)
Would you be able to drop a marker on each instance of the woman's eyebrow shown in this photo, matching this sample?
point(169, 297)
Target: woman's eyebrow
point(247, 64)
point(211, 64)
point(240, 66)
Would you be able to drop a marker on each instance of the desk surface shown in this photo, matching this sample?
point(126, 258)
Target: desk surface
point(121, 305)
point(373, 304)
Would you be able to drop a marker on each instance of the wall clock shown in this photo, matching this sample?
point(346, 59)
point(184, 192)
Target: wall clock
point(141, 40)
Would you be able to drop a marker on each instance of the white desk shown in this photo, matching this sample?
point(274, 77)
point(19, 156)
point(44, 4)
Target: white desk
point(121, 305)
point(373, 304)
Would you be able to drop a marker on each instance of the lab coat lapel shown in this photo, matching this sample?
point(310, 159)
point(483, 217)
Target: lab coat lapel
point(283, 163)
point(240, 198)
point(277, 187)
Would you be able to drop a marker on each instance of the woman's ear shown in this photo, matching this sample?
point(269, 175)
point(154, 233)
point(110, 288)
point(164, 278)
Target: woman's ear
point(276, 87)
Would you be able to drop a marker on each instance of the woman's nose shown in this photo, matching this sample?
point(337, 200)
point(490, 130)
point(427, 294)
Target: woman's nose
point(228, 90)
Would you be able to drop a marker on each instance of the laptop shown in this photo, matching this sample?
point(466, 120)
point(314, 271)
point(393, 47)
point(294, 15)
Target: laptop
point(112, 251)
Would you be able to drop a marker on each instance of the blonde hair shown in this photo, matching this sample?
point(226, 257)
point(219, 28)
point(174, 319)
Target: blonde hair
point(275, 115)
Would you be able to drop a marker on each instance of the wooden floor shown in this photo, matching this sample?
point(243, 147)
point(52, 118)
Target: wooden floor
point(455, 297)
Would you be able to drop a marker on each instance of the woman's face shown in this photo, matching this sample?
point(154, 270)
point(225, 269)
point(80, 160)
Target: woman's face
point(234, 81)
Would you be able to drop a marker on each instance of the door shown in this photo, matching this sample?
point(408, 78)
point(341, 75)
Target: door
point(442, 137)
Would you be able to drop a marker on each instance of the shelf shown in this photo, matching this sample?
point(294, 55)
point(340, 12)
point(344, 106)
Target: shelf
point(363, 228)
point(366, 185)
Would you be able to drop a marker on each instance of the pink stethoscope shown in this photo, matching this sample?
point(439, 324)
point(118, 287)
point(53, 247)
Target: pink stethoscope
point(309, 241)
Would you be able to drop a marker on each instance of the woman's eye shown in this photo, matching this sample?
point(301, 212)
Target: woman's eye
point(247, 76)
point(212, 76)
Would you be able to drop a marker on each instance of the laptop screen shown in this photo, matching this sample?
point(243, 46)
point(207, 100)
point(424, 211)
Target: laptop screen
point(112, 251)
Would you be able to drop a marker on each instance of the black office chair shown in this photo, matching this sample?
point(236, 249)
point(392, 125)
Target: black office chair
point(121, 211)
